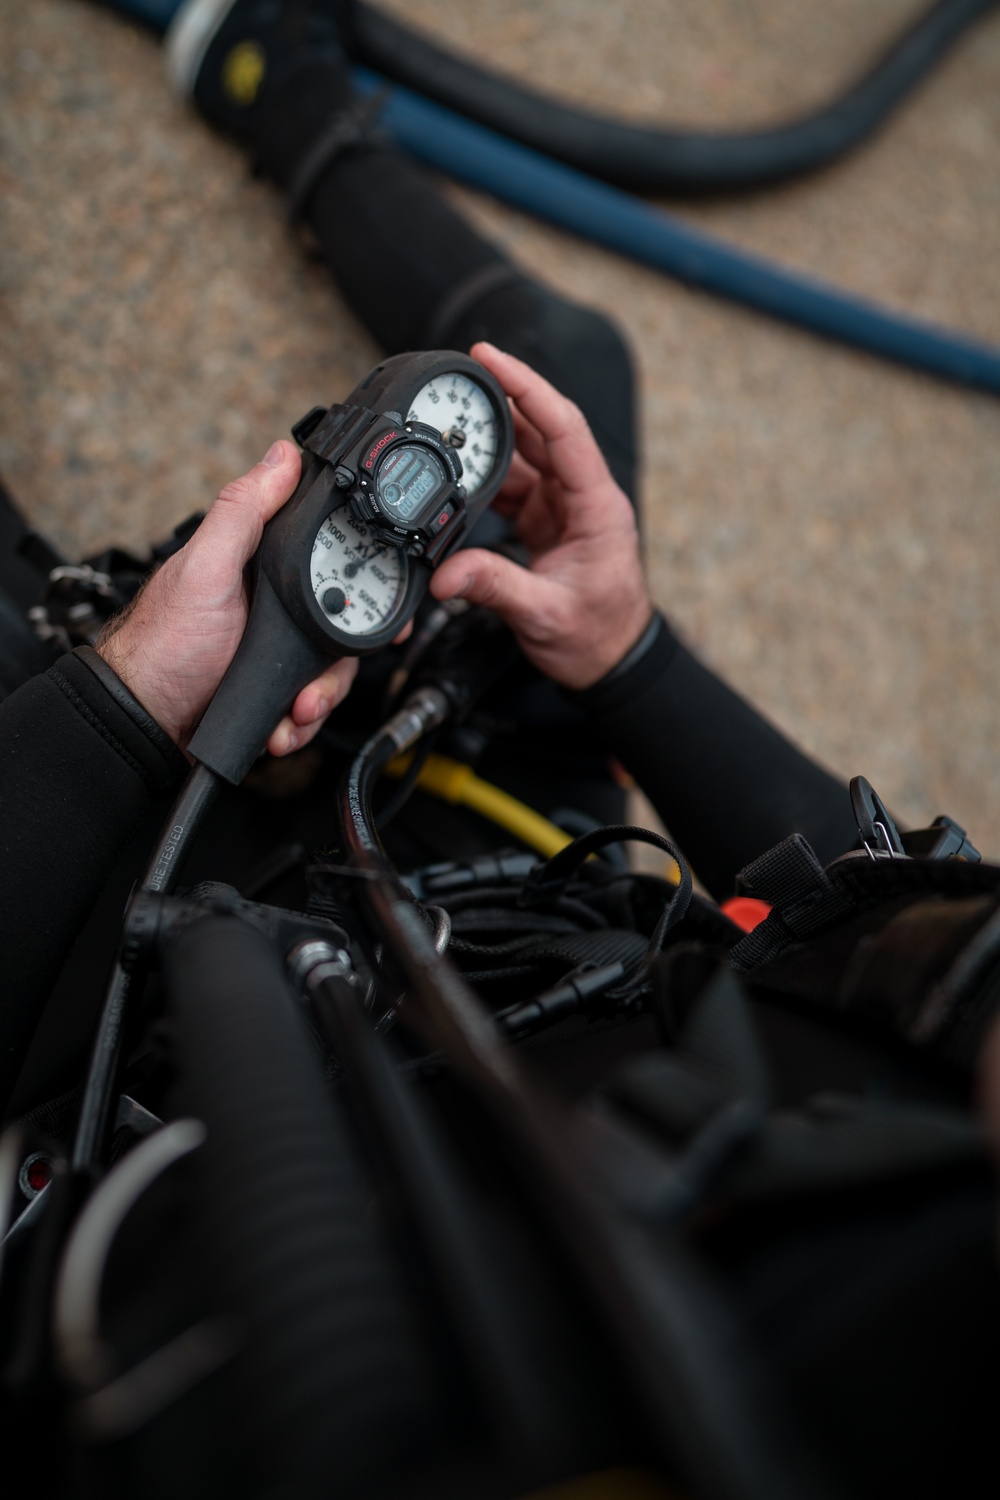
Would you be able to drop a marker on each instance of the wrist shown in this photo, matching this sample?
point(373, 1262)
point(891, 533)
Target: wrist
point(643, 643)
point(164, 763)
point(649, 659)
point(615, 652)
point(126, 664)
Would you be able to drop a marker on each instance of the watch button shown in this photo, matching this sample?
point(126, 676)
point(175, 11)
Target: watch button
point(441, 520)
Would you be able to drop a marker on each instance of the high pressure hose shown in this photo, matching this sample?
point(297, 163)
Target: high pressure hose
point(195, 798)
point(655, 160)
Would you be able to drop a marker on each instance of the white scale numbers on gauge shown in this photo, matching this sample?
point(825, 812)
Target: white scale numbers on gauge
point(358, 582)
point(458, 407)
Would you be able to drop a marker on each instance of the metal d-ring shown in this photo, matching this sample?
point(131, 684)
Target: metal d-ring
point(875, 825)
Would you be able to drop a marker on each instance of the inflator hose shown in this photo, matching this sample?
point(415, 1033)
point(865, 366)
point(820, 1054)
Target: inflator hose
point(333, 1381)
point(664, 161)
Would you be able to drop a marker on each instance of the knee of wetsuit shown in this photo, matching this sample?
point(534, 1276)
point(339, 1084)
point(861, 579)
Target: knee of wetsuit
point(578, 349)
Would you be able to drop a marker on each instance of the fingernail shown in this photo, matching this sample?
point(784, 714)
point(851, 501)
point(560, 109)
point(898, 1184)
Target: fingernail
point(323, 706)
point(280, 741)
point(274, 456)
point(467, 583)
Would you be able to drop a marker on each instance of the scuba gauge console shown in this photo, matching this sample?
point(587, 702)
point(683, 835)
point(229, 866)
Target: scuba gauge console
point(392, 480)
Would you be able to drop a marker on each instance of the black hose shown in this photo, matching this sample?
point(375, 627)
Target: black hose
point(186, 816)
point(334, 1388)
point(655, 160)
point(458, 1249)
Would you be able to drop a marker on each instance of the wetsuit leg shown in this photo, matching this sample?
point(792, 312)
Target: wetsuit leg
point(419, 276)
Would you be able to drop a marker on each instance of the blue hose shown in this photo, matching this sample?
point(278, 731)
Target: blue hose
point(607, 216)
point(157, 14)
point(571, 200)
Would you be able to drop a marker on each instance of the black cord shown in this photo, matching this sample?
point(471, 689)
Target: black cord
point(657, 160)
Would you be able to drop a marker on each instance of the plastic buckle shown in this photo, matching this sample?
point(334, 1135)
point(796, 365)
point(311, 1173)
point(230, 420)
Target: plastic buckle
point(944, 839)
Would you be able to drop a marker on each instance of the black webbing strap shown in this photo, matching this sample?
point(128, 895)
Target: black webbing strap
point(803, 896)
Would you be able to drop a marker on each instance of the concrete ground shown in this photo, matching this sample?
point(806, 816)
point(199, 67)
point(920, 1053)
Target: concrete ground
point(822, 525)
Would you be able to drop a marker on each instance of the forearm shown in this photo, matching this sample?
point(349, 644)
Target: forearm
point(727, 784)
point(79, 764)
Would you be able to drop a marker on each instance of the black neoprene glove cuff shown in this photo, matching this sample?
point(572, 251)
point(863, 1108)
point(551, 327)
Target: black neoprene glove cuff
point(99, 696)
point(648, 659)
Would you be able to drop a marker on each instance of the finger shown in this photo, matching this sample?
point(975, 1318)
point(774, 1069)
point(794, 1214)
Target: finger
point(523, 599)
point(235, 523)
point(573, 451)
point(289, 737)
point(521, 479)
point(312, 706)
point(541, 524)
point(530, 444)
point(324, 693)
point(404, 634)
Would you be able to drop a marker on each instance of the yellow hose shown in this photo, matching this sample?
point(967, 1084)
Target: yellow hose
point(457, 783)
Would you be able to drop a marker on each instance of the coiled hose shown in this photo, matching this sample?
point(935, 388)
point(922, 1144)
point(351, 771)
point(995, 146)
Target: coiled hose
point(539, 185)
point(648, 160)
point(633, 156)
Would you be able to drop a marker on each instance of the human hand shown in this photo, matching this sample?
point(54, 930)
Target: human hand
point(171, 647)
point(582, 603)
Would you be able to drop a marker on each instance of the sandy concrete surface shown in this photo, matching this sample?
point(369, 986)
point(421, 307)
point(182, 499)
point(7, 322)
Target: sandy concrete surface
point(822, 525)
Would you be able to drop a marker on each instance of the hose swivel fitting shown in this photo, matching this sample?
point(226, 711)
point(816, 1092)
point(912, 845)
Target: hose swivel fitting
point(425, 709)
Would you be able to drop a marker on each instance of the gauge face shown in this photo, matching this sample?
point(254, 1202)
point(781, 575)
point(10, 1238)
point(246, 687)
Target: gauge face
point(358, 582)
point(463, 413)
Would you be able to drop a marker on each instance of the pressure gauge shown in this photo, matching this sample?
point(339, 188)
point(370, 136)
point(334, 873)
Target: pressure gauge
point(459, 406)
point(358, 582)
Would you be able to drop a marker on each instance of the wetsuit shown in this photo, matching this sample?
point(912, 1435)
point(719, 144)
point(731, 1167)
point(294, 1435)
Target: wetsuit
point(78, 769)
point(82, 767)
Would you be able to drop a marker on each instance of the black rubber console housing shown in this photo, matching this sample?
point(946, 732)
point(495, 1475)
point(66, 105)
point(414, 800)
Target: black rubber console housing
point(288, 639)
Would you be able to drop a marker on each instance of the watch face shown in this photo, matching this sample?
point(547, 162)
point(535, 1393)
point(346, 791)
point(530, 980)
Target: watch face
point(357, 582)
point(407, 483)
point(463, 413)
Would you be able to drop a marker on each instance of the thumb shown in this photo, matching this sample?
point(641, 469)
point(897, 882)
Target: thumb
point(235, 523)
point(520, 597)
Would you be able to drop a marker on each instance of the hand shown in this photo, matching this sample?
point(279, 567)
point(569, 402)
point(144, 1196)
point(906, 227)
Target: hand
point(582, 603)
point(171, 647)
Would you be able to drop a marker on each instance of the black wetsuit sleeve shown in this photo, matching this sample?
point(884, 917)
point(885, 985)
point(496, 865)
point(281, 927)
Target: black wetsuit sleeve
point(726, 783)
point(80, 761)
